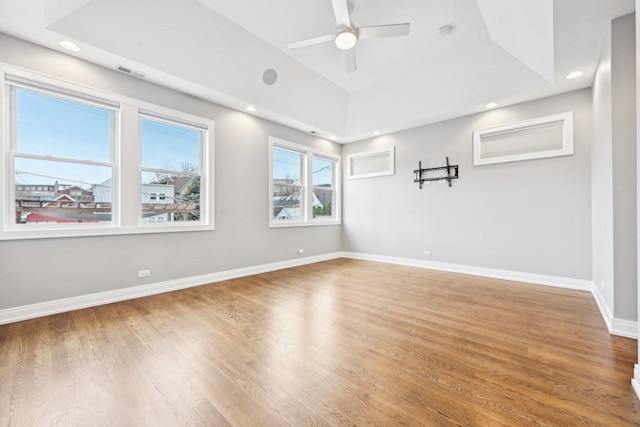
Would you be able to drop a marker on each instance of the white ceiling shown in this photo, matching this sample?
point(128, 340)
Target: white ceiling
point(503, 51)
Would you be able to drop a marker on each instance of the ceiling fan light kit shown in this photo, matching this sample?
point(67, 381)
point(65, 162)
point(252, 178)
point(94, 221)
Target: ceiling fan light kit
point(346, 35)
point(346, 39)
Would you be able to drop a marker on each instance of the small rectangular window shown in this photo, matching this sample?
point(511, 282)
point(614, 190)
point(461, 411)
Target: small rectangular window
point(370, 164)
point(549, 136)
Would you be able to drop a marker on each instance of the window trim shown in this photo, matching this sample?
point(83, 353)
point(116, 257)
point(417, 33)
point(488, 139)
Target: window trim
point(307, 184)
point(126, 161)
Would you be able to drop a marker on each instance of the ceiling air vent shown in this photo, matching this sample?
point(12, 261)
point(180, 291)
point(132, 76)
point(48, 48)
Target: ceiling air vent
point(549, 136)
point(131, 72)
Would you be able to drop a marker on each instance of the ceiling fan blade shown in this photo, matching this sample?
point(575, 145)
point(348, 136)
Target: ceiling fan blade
point(393, 30)
point(349, 56)
point(341, 12)
point(310, 42)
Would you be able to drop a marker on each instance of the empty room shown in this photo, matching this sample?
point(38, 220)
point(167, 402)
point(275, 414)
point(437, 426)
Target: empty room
point(321, 212)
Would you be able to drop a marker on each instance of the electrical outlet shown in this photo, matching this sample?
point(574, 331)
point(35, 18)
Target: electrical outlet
point(144, 273)
point(427, 253)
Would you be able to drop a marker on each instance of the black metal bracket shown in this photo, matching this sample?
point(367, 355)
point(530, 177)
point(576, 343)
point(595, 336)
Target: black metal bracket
point(419, 174)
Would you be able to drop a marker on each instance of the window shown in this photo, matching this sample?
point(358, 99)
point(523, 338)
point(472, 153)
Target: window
point(171, 164)
point(48, 145)
point(71, 174)
point(153, 196)
point(303, 185)
point(323, 177)
point(549, 136)
point(369, 164)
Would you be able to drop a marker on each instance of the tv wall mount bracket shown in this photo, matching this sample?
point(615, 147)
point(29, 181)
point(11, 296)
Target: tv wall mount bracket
point(421, 175)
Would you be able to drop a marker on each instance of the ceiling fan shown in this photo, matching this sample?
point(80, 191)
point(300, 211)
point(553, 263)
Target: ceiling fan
point(346, 35)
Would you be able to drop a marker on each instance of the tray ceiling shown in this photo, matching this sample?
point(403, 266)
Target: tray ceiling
point(218, 50)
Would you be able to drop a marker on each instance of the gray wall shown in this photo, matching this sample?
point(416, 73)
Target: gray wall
point(614, 172)
point(624, 165)
point(602, 178)
point(637, 58)
point(531, 216)
point(39, 270)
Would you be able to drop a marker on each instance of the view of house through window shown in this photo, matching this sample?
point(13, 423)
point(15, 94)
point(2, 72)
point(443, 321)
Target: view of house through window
point(58, 165)
point(303, 185)
point(323, 187)
point(86, 162)
point(171, 159)
point(288, 190)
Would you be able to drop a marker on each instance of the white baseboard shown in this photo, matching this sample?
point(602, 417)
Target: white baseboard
point(31, 311)
point(625, 328)
point(635, 381)
point(537, 279)
point(620, 327)
point(605, 310)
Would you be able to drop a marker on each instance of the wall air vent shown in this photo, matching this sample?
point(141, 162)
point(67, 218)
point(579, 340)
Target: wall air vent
point(131, 72)
point(549, 136)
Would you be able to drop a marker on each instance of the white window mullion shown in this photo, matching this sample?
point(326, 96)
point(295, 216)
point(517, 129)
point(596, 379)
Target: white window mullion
point(7, 191)
point(308, 164)
point(168, 171)
point(129, 160)
point(62, 160)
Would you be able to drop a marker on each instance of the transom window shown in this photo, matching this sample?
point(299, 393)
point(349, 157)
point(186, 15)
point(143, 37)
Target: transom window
point(70, 172)
point(303, 185)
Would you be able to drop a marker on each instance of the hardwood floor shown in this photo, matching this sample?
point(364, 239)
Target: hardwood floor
point(342, 342)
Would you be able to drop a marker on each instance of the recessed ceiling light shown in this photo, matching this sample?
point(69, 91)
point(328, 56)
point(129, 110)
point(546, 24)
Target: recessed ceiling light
point(574, 75)
point(251, 109)
point(69, 45)
point(376, 133)
point(333, 138)
point(492, 105)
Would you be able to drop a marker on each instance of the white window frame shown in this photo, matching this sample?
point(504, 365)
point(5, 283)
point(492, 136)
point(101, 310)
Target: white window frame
point(173, 117)
point(308, 153)
point(126, 158)
point(567, 139)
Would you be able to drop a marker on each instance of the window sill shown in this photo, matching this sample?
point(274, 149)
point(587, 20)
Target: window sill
point(302, 224)
point(48, 233)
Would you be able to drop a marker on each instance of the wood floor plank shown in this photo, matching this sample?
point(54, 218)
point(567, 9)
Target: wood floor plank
point(342, 342)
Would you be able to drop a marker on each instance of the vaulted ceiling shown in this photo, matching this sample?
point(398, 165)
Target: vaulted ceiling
point(501, 51)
